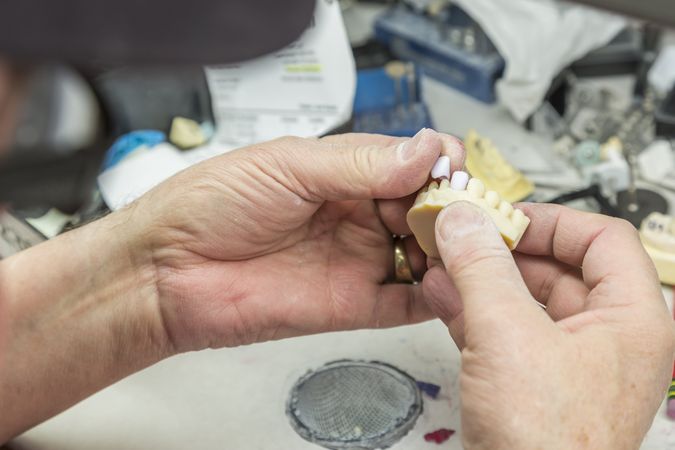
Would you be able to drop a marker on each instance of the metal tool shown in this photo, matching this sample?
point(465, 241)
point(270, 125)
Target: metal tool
point(634, 204)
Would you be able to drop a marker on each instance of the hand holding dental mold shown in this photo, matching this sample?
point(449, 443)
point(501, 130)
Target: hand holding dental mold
point(280, 239)
point(587, 372)
point(447, 189)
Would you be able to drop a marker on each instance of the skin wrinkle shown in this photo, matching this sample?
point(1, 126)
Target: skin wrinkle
point(369, 237)
point(334, 299)
point(566, 291)
point(550, 282)
point(306, 192)
point(410, 311)
point(462, 267)
point(300, 230)
point(586, 245)
point(286, 179)
point(364, 157)
point(246, 335)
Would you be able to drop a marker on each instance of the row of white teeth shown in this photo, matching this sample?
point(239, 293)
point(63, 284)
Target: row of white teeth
point(460, 181)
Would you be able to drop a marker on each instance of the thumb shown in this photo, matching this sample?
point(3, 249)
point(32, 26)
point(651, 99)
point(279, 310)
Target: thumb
point(482, 269)
point(355, 171)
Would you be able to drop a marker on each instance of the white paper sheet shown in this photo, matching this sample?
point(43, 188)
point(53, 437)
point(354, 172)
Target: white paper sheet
point(305, 89)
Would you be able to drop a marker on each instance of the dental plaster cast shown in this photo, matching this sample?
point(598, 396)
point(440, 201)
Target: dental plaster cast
point(657, 233)
point(510, 222)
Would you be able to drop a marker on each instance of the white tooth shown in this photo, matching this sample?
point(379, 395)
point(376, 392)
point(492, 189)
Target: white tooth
point(442, 168)
point(505, 208)
point(476, 188)
point(518, 218)
point(433, 185)
point(459, 181)
point(445, 184)
point(492, 199)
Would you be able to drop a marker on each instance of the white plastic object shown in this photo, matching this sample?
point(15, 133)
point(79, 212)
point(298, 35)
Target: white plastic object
point(459, 180)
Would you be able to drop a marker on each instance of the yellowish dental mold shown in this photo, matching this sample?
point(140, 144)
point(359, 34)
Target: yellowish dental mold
point(485, 161)
point(510, 222)
point(657, 233)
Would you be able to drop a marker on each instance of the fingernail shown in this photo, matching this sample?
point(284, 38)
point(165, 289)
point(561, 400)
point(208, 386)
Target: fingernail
point(459, 219)
point(408, 149)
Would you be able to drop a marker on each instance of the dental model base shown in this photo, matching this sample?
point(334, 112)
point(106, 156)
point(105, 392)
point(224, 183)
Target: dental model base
point(657, 233)
point(510, 222)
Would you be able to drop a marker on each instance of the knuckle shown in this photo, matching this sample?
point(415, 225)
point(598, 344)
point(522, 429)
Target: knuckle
point(363, 160)
point(337, 140)
point(288, 142)
point(364, 157)
point(279, 163)
point(624, 227)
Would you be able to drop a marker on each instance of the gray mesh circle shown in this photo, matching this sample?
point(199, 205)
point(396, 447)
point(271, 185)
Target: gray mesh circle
point(353, 404)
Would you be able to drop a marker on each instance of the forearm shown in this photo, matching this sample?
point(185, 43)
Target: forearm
point(81, 313)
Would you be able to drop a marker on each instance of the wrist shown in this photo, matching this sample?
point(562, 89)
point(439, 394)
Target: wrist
point(124, 275)
point(82, 313)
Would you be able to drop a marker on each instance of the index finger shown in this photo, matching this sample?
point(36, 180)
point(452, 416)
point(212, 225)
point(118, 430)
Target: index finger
point(604, 247)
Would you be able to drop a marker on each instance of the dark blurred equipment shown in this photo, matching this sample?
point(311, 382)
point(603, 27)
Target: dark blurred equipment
point(149, 98)
point(621, 56)
point(592, 192)
point(665, 116)
point(138, 65)
point(57, 140)
point(86, 32)
point(658, 11)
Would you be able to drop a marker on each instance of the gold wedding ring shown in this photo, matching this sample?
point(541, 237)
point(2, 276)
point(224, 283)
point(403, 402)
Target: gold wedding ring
point(402, 269)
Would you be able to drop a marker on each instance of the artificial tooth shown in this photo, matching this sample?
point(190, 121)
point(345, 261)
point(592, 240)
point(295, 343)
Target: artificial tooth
point(492, 199)
point(505, 208)
point(476, 188)
point(442, 168)
point(459, 181)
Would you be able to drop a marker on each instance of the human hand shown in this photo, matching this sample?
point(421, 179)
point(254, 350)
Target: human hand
point(287, 238)
point(587, 372)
